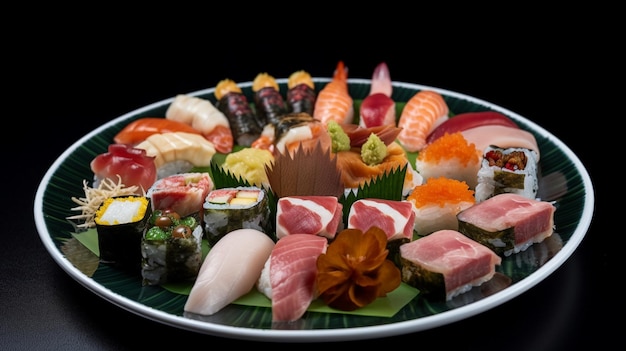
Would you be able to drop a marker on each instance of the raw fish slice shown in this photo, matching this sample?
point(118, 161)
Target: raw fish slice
point(128, 165)
point(202, 115)
point(470, 120)
point(421, 114)
point(183, 193)
point(293, 271)
point(508, 223)
point(229, 270)
point(447, 263)
point(378, 109)
point(140, 129)
point(313, 215)
point(395, 218)
point(501, 136)
point(178, 146)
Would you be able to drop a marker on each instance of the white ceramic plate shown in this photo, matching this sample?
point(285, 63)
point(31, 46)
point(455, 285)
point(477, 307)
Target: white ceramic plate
point(564, 181)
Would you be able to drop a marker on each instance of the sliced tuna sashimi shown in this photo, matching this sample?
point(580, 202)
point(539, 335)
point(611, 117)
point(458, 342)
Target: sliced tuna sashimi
point(293, 271)
point(446, 263)
point(395, 218)
point(317, 215)
point(508, 223)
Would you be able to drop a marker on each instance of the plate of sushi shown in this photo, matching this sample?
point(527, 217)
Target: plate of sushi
point(314, 208)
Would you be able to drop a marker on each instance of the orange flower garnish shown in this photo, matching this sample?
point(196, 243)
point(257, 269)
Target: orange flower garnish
point(355, 270)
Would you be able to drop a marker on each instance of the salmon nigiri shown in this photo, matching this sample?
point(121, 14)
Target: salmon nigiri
point(334, 101)
point(421, 114)
point(378, 109)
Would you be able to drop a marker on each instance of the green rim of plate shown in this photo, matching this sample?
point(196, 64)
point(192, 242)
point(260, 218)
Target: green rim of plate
point(66, 180)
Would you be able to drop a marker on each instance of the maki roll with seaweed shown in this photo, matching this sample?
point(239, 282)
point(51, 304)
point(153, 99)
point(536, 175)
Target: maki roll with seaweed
point(508, 170)
point(171, 248)
point(120, 222)
point(228, 209)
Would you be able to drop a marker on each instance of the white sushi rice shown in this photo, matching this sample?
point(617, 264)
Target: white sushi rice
point(121, 212)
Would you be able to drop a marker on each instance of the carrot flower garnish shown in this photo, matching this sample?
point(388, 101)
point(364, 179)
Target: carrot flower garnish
point(355, 270)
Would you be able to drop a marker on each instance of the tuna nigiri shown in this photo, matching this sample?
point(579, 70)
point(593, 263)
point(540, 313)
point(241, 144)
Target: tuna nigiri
point(378, 108)
point(229, 271)
point(131, 166)
point(334, 101)
point(421, 114)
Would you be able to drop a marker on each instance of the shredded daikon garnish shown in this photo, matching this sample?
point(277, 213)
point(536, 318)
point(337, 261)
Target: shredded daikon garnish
point(94, 197)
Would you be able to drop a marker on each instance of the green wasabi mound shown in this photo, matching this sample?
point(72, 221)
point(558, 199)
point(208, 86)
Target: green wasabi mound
point(373, 150)
point(340, 140)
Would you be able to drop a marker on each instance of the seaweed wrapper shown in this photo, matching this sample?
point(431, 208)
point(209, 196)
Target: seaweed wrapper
point(172, 260)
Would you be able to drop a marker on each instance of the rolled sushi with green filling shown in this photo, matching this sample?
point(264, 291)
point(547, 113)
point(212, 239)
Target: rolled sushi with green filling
point(228, 209)
point(171, 248)
point(120, 223)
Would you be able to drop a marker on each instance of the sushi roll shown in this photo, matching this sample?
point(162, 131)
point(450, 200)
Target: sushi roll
point(450, 156)
point(228, 209)
point(510, 170)
point(120, 222)
point(171, 248)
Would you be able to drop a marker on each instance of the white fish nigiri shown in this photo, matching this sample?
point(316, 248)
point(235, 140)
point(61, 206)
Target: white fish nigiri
point(178, 146)
point(229, 271)
point(203, 116)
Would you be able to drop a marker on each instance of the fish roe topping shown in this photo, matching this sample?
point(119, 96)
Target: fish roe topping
point(264, 80)
point(300, 77)
point(450, 146)
point(226, 86)
point(441, 191)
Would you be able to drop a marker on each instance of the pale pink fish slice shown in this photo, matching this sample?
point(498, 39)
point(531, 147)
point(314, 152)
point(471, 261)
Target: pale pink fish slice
point(293, 270)
point(421, 114)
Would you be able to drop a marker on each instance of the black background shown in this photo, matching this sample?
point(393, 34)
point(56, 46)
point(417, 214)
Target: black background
point(70, 82)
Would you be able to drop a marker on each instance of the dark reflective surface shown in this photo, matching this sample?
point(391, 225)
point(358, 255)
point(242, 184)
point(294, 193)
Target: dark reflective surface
point(44, 308)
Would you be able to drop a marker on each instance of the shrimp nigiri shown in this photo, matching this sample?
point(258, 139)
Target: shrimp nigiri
point(334, 101)
point(421, 114)
point(203, 116)
point(378, 108)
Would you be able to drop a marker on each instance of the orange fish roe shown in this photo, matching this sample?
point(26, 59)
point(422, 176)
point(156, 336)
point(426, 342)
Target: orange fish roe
point(441, 191)
point(450, 146)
